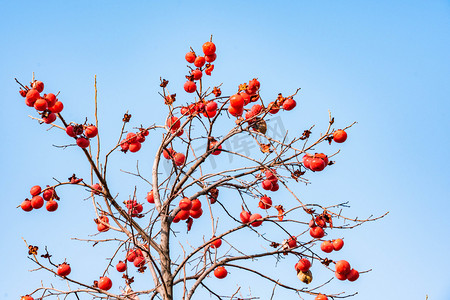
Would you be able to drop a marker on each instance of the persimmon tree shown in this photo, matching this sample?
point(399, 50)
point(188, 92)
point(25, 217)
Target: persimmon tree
point(145, 229)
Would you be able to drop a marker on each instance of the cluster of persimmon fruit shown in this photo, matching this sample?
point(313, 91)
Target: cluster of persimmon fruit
point(37, 201)
point(82, 133)
point(47, 104)
point(133, 141)
point(202, 64)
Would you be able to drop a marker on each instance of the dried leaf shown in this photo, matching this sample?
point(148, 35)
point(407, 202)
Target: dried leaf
point(164, 82)
point(126, 118)
point(189, 223)
point(265, 148)
point(127, 279)
point(280, 99)
point(326, 262)
point(217, 92)
point(254, 98)
point(242, 87)
point(169, 99)
point(260, 125)
point(305, 277)
point(309, 210)
point(142, 269)
point(274, 245)
point(213, 194)
point(305, 135)
point(32, 250)
point(74, 179)
point(280, 210)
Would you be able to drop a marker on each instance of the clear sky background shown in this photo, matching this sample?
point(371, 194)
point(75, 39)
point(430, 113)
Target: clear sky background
point(384, 64)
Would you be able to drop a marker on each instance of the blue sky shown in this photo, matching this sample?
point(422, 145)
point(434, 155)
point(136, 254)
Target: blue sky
point(384, 64)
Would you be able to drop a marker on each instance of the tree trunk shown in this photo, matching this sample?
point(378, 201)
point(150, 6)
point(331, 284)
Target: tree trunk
point(165, 259)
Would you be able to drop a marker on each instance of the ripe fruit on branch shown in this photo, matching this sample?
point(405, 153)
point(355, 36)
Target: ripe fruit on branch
point(185, 204)
point(317, 164)
point(292, 242)
point(303, 265)
point(235, 112)
point(183, 214)
point(50, 118)
point(321, 297)
point(82, 142)
point(37, 202)
point(340, 276)
point(150, 197)
point(323, 157)
point(168, 153)
point(265, 202)
point(197, 73)
point(139, 261)
point(209, 48)
point(196, 213)
point(245, 216)
point(38, 85)
point(70, 131)
point(51, 99)
point(63, 269)
point(237, 101)
point(199, 61)
point(212, 145)
point(352, 275)
point(307, 160)
point(289, 104)
point(134, 147)
point(343, 267)
point(51, 205)
point(275, 187)
point(91, 131)
point(133, 253)
point(326, 247)
point(253, 86)
point(32, 96)
point(211, 106)
point(121, 266)
point(255, 217)
point(339, 136)
point(267, 185)
point(216, 244)
point(190, 86)
point(220, 272)
point(173, 123)
point(27, 297)
point(196, 204)
point(26, 205)
point(338, 244)
point(271, 175)
point(104, 283)
point(48, 194)
point(35, 190)
point(57, 107)
point(179, 159)
point(210, 58)
point(40, 104)
point(317, 232)
point(101, 227)
point(190, 57)
point(246, 97)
